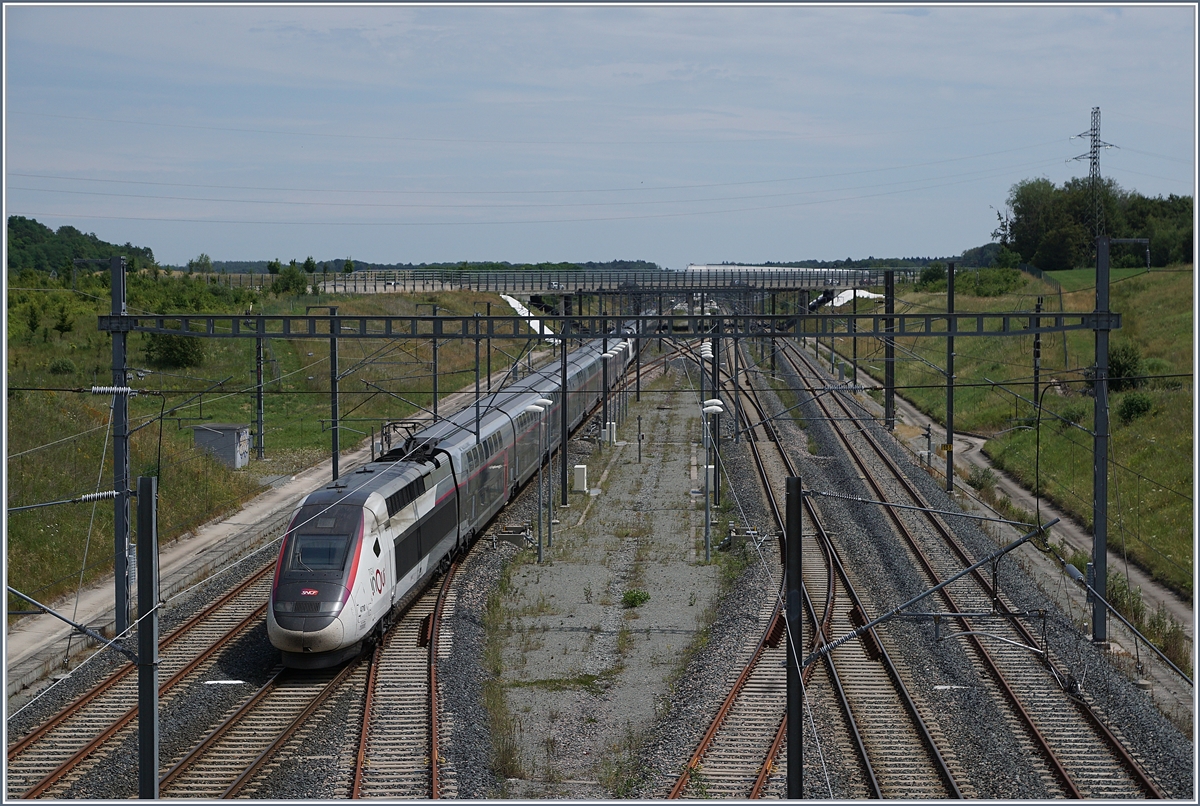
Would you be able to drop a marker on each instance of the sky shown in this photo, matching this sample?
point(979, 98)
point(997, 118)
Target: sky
point(672, 134)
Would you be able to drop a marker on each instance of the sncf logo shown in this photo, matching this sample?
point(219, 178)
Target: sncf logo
point(308, 592)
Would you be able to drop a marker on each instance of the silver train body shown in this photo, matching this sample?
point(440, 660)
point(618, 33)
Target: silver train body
point(359, 550)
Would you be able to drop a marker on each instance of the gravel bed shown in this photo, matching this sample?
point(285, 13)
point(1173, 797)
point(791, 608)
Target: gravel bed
point(468, 749)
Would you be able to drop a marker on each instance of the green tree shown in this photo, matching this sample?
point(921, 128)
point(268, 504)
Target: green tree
point(348, 266)
point(33, 319)
point(200, 263)
point(32, 245)
point(1057, 248)
point(65, 322)
point(1035, 213)
point(310, 265)
point(1054, 227)
point(274, 266)
point(1007, 259)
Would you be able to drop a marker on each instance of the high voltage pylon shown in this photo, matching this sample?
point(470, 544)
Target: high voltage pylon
point(1093, 156)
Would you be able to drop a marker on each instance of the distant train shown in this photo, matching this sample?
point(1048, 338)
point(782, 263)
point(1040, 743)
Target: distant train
point(359, 550)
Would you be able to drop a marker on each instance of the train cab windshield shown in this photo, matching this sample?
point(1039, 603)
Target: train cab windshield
point(322, 542)
point(319, 552)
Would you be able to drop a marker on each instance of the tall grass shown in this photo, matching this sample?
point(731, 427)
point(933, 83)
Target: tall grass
point(1150, 482)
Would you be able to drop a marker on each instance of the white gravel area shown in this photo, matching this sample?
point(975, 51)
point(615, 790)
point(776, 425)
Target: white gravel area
point(585, 676)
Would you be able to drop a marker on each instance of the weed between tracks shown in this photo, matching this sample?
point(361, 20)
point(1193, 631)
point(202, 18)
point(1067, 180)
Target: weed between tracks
point(623, 766)
point(506, 751)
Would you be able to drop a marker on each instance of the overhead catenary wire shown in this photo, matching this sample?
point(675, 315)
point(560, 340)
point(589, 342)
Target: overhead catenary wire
point(91, 525)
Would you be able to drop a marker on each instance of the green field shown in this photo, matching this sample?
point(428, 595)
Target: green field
point(59, 440)
point(1150, 482)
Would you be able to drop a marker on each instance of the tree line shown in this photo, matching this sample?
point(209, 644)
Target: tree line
point(33, 245)
point(1053, 227)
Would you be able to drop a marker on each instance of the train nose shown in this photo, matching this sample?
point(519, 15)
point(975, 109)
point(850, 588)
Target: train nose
point(314, 640)
point(307, 607)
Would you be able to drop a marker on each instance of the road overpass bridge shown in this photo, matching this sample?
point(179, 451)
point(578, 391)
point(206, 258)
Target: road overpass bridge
point(696, 279)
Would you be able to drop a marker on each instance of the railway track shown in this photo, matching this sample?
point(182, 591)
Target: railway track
point(898, 752)
point(47, 760)
point(736, 747)
point(1070, 748)
point(244, 748)
point(399, 749)
point(740, 754)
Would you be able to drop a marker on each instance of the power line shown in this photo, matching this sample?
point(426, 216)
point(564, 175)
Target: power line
point(512, 206)
point(641, 217)
point(637, 188)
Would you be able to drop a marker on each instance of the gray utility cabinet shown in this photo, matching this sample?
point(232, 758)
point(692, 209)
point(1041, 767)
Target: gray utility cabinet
point(228, 442)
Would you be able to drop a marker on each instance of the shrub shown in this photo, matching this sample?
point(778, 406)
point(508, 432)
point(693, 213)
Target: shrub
point(1126, 600)
point(1124, 367)
point(994, 282)
point(62, 366)
point(981, 477)
point(1073, 413)
point(1168, 634)
point(290, 281)
point(169, 350)
point(1134, 405)
point(933, 277)
point(634, 598)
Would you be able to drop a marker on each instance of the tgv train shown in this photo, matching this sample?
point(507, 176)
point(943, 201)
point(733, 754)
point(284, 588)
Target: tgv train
point(359, 550)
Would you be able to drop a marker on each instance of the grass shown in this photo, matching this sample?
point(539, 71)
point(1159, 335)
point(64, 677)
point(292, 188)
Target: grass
point(595, 684)
point(623, 767)
point(1151, 476)
point(59, 441)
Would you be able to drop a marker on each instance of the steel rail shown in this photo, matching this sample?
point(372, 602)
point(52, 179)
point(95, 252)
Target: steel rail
point(288, 732)
point(364, 728)
point(59, 772)
point(905, 532)
point(986, 657)
point(214, 735)
point(835, 568)
point(70, 710)
point(1028, 637)
point(722, 712)
point(713, 728)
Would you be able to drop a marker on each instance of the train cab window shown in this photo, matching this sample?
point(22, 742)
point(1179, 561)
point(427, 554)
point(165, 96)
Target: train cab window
point(318, 552)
